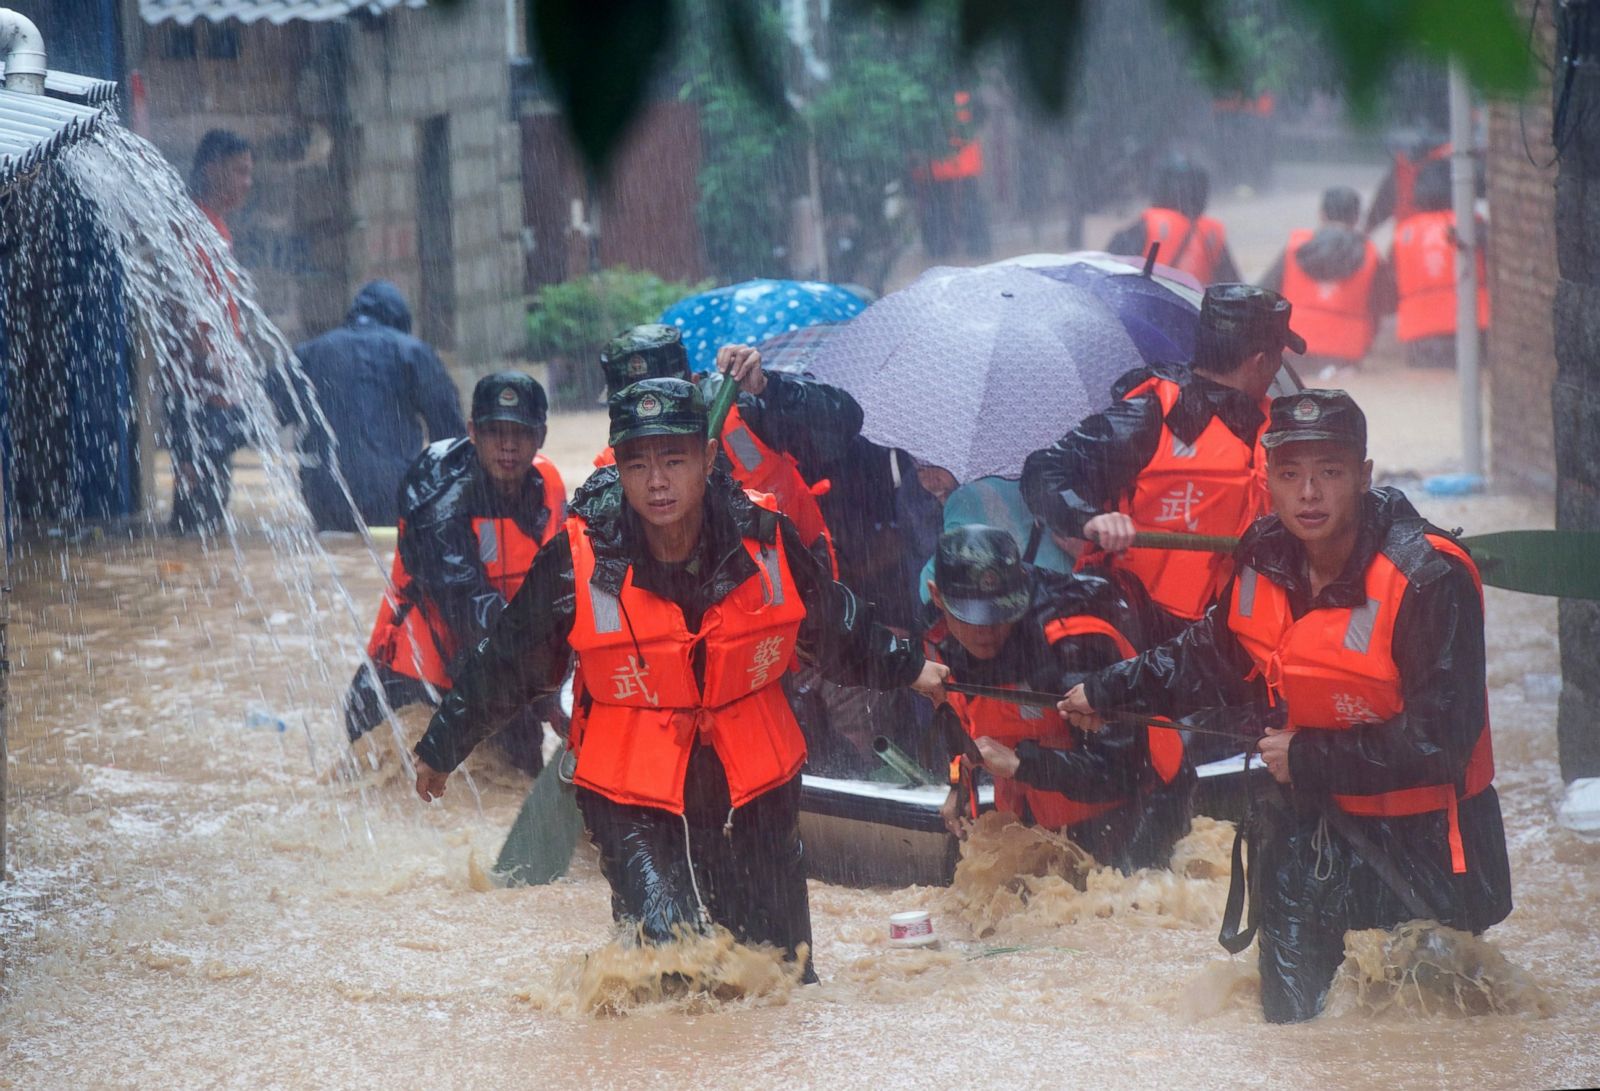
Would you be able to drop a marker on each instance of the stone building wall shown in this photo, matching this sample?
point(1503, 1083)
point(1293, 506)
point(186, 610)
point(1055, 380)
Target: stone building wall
point(1522, 270)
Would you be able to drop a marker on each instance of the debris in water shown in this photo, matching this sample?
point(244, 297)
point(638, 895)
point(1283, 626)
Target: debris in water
point(1424, 968)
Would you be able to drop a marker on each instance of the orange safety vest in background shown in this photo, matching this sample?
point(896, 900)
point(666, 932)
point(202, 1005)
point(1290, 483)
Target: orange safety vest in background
point(1425, 276)
point(1212, 487)
point(966, 158)
point(410, 637)
point(1334, 669)
point(1334, 316)
point(757, 467)
point(1406, 170)
point(1200, 255)
point(636, 659)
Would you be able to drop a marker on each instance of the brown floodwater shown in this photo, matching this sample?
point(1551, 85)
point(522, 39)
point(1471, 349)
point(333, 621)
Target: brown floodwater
point(192, 903)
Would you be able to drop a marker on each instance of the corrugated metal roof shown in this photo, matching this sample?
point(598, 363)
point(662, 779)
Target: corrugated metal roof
point(35, 127)
point(75, 88)
point(276, 12)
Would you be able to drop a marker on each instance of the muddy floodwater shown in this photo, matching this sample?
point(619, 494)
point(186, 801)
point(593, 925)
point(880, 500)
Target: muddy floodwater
point(190, 906)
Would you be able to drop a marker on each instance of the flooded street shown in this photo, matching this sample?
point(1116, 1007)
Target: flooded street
point(189, 907)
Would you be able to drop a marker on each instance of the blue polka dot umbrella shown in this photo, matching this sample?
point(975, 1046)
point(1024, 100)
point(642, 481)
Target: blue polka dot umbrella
point(755, 311)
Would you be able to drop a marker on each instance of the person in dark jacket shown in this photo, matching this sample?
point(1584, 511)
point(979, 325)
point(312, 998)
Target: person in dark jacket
point(997, 621)
point(1338, 284)
point(1190, 240)
point(474, 515)
point(1175, 451)
point(1361, 627)
point(380, 390)
point(684, 599)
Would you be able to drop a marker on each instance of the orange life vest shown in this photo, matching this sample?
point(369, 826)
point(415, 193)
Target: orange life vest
point(1195, 246)
point(636, 658)
point(1334, 316)
point(1010, 724)
point(966, 156)
point(410, 637)
point(759, 468)
point(1425, 276)
point(1215, 486)
point(1334, 669)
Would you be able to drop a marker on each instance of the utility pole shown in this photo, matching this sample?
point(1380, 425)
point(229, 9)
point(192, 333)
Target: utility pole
point(1464, 194)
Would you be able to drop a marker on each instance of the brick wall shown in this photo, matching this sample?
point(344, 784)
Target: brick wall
point(1522, 272)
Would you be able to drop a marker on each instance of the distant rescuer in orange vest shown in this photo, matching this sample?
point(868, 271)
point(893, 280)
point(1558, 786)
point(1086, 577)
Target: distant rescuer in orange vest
point(474, 513)
point(1424, 258)
point(685, 600)
point(1360, 626)
point(1190, 240)
point(1176, 451)
point(1336, 281)
point(950, 188)
point(782, 435)
point(997, 621)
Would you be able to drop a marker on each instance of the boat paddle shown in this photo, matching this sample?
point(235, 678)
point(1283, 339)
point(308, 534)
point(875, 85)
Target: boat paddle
point(539, 846)
point(1558, 563)
point(1028, 698)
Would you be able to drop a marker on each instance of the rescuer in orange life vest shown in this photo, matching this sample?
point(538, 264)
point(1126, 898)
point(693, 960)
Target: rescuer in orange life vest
point(781, 437)
point(1361, 627)
point(1336, 282)
point(997, 621)
point(1176, 451)
point(1190, 240)
point(685, 599)
point(474, 514)
point(1425, 245)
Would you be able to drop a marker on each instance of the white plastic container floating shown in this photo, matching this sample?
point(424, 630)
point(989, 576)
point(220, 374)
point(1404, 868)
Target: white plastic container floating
point(911, 929)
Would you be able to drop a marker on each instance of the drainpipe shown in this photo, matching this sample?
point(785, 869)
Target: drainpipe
point(22, 49)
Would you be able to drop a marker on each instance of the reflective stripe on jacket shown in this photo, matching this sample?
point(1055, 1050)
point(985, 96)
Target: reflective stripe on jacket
point(1334, 316)
point(637, 656)
point(1334, 669)
point(410, 637)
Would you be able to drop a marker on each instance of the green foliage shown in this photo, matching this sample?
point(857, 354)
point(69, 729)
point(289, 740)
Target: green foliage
point(601, 57)
point(575, 317)
point(882, 107)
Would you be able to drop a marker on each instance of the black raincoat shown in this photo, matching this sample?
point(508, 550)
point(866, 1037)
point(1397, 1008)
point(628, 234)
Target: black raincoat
point(379, 388)
point(747, 864)
point(1313, 883)
point(442, 493)
point(1104, 766)
point(1090, 469)
point(814, 422)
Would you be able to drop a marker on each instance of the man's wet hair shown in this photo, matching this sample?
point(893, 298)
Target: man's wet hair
point(215, 146)
point(1341, 204)
point(1432, 190)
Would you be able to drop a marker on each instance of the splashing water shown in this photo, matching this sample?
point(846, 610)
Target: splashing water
point(1423, 968)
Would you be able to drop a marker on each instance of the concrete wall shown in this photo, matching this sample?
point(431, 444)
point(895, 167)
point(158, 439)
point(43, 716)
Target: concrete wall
point(1522, 269)
point(405, 69)
point(1576, 401)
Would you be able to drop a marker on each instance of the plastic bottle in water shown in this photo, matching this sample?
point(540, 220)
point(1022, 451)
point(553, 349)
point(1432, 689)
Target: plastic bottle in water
point(256, 716)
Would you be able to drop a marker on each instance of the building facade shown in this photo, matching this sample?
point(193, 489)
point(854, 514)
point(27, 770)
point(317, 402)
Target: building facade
point(384, 147)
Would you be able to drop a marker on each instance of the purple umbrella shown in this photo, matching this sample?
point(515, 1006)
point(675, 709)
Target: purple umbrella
point(973, 369)
point(1160, 314)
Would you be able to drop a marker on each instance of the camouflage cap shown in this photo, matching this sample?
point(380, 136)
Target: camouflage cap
point(1316, 414)
point(510, 396)
point(651, 351)
point(657, 407)
point(1242, 319)
point(978, 571)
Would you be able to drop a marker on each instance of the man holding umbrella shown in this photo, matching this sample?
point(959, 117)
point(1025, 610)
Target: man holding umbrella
point(685, 600)
point(781, 436)
point(1177, 451)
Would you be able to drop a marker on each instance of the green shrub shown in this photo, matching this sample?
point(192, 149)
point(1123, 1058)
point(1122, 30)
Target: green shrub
point(568, 322)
